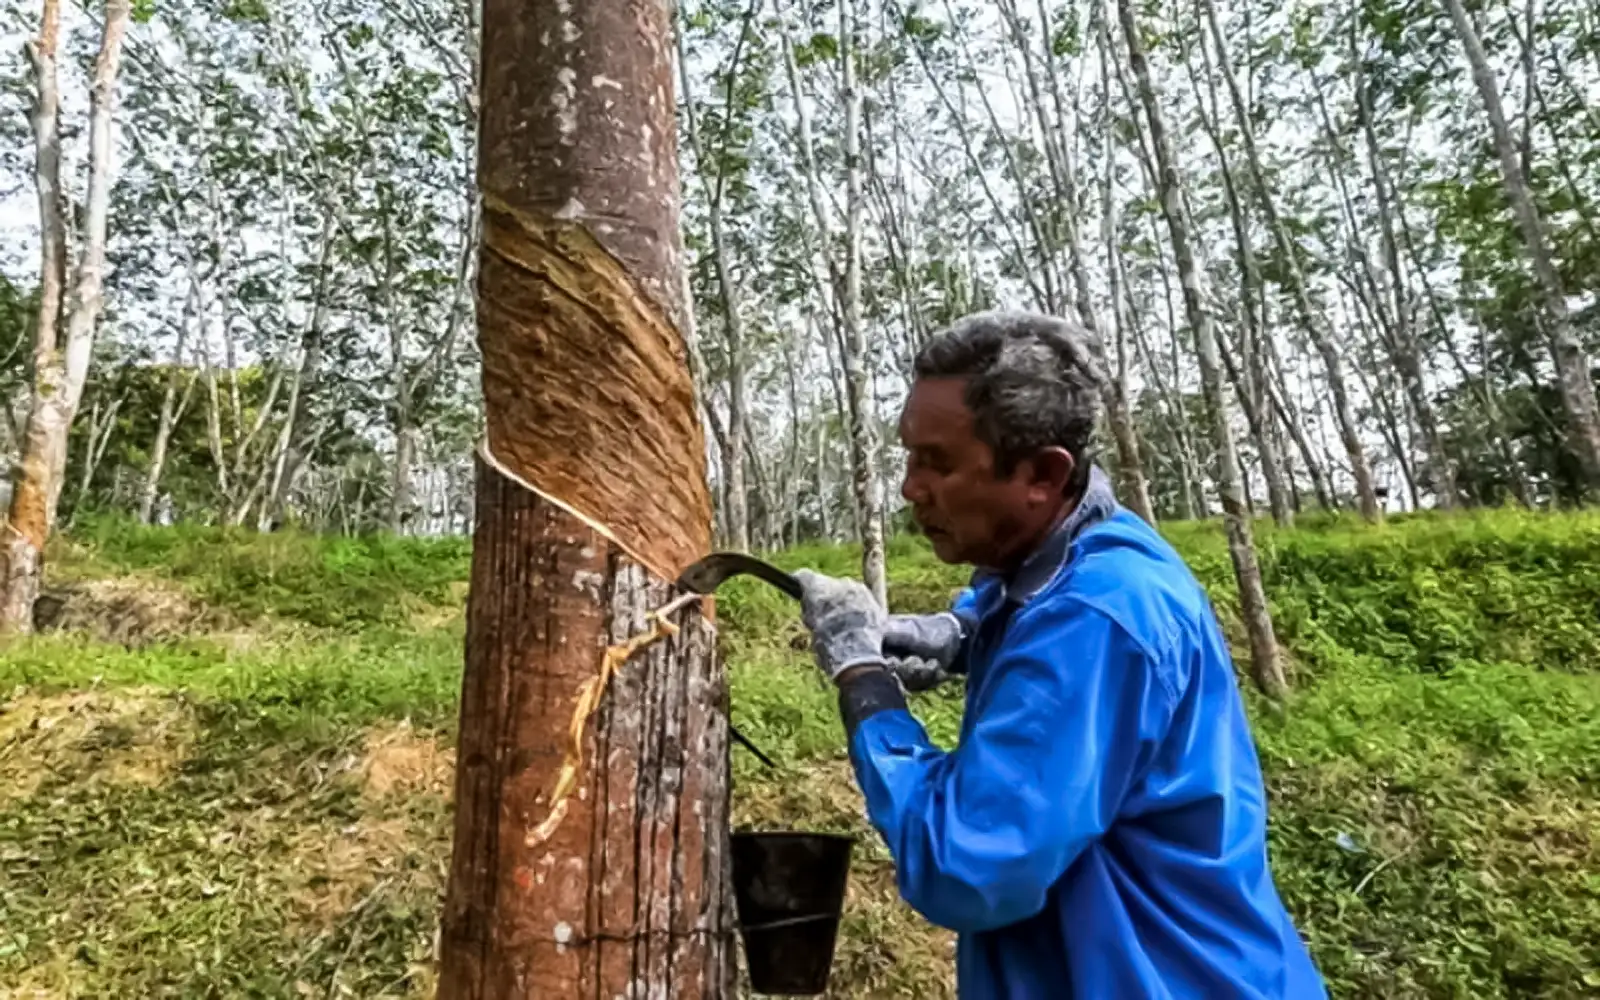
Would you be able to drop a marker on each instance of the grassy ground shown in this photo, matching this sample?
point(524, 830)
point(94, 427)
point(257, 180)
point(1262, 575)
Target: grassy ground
point(240, 787)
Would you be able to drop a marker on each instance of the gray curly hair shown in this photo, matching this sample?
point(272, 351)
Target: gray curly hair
point(1034, 382)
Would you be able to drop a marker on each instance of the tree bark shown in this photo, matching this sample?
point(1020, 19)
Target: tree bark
point(1265, 666)
point(59, 370)
point(591, 492)
point(1571, 359)
point(863, 429)
point(400, 487)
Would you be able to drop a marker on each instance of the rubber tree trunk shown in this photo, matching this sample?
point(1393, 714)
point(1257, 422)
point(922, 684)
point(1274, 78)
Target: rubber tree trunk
point(863, 414)
point(1264, 662)
point(1248, 376)
point(150, 492)
point(1572, 361)
point(1311, 322)
point(1403, 347)
point(736, 510)
point(60, 363)
point(591, 492)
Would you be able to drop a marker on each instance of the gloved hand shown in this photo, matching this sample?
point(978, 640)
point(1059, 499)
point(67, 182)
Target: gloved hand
point(845, 620)
point(926, 637)
point(917, 674)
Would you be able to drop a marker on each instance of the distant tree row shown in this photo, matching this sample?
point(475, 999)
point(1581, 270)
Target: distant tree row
point(1338, 256)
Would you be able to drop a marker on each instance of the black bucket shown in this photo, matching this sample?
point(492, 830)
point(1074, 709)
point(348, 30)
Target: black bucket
point(789, 888)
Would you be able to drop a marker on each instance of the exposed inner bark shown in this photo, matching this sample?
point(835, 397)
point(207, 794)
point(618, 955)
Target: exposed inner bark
point(614, 436)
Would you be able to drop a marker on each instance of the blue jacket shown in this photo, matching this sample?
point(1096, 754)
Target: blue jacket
point(1100, 831)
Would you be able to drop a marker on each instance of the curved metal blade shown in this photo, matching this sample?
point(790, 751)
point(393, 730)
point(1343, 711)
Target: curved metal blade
point(706, 575)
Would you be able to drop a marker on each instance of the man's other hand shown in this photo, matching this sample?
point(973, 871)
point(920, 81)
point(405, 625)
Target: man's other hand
point(917, 674)
point(924, 637)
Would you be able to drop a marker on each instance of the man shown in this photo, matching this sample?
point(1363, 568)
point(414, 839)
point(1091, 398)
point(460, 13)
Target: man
point(1100, 830)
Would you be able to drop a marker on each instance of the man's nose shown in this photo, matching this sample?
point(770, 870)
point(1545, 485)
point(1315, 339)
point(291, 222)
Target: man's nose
point(912, 490)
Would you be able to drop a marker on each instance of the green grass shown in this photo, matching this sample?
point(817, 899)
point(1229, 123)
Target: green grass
point(203, 817)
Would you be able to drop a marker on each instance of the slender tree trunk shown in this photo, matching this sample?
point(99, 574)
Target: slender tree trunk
point(1169, 394)
point(150, 492)
point(1349, 433)
point(1406, 352)
point(736, 508)
point(1571, 360)
point(1246, 377)
point(824, 488)
point(1276, 384)
point(1391, 423)
point(1135, 483)
point(219, 458)
point(587, 504)
point(405, 453)
point(288, 452)
point(1256, 418)
point(863, 429)
point(101, 424)
point(164, 424)
point(796, 448)
point(1130, 468)
point(1265, 666)
point(59, 369)
point(1483, 390)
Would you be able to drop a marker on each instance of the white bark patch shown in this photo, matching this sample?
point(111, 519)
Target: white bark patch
point(588, 583)
point(648, 149)
point(566, 101)
point(574, 209)
point(601, 80)
point(563, 933)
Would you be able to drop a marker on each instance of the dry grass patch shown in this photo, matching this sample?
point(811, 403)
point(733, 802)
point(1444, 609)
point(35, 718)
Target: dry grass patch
point(332, 867)
point(52, 980)
point(133, 611)
point(398, 760)
point(124, 737)
point(432, 617)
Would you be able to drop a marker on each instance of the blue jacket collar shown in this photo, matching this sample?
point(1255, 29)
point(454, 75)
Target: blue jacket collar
point(1098, 503)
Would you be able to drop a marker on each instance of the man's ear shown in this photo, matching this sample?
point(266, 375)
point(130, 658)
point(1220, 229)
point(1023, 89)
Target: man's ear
point(1052, 472)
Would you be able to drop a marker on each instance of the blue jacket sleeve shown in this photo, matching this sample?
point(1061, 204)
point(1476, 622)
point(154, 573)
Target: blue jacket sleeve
point(1070, 711)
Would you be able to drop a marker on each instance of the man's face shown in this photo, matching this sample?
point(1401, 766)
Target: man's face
point(970, 513)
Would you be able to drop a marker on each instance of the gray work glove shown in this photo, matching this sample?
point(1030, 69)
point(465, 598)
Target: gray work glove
point(845, 620)
point(917, 674)
point(922, 648)
point(925, 637)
